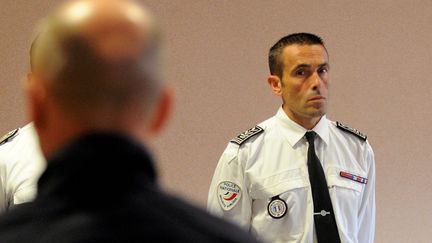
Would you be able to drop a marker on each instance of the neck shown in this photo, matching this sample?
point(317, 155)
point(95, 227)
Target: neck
point(65, 129)
point(306, 122)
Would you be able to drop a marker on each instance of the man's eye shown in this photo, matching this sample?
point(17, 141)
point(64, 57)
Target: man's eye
point(300, 72)
point(323, 70)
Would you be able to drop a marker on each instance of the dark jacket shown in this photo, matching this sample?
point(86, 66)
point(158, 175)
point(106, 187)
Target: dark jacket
point(102, 188)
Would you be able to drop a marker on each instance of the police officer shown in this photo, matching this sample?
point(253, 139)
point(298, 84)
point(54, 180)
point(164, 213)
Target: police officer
point(96, 97)
point(21, 163)
point(266, 178)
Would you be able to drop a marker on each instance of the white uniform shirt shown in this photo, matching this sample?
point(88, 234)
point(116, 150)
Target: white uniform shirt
point(273, 163)
point(21, 164)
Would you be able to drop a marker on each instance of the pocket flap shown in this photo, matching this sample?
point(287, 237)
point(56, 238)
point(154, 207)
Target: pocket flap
point(279, 183)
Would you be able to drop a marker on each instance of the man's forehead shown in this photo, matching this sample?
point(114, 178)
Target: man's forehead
point(305, 54)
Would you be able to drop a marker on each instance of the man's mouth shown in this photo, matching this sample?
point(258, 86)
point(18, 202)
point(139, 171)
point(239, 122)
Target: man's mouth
point(317, 98)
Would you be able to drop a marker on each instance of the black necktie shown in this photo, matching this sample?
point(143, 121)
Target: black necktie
point(325, 223)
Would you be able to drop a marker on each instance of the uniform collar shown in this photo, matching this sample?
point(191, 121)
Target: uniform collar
point(294, 132)
point(322, 129)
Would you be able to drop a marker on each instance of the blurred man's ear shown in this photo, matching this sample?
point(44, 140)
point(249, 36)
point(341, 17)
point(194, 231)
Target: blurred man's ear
point(275, 84)
point(162, 111)
point(36, 94)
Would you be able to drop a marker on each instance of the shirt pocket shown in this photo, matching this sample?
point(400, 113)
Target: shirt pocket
point(346, 197)
point(292, 187)
point(334, 180)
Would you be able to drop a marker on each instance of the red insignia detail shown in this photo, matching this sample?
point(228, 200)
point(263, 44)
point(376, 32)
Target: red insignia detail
point(353, 177)
point(231, 198)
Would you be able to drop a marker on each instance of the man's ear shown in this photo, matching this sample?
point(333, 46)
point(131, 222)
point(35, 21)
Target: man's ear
point(162, 111)
point(36, 94)
point(275, 84)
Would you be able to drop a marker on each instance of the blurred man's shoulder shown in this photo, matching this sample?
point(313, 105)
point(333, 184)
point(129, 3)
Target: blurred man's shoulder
point(199, 223)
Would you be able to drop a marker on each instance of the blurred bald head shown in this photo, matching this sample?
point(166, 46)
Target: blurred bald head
point(96, 63)
point(98, 55)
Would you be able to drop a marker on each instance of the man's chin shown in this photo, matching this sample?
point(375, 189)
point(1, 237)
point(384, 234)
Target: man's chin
point(317, 113)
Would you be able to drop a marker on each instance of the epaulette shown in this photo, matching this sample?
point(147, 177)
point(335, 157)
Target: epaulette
point(9, 136)
point(351, 130)
point(242, 137)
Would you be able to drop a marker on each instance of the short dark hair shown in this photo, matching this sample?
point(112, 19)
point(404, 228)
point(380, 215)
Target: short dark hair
point(275, 51)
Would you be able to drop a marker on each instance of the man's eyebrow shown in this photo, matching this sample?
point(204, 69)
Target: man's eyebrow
point(304, 65)
point(301, 65)
point(325, 64)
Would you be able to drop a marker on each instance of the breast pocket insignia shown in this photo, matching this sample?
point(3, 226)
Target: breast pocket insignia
point(277, 208)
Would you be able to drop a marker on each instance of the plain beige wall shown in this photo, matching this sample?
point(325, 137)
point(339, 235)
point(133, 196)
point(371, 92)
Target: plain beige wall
point(380, 56)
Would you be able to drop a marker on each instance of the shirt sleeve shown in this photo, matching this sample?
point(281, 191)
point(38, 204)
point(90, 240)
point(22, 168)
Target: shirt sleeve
point(23, 163)
point(228, 184)
point(4, 199)
point(22, 179)
point(367, 208)
point(25, 193)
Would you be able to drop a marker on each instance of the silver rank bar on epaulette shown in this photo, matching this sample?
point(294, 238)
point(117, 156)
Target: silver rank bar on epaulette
point(242, 137)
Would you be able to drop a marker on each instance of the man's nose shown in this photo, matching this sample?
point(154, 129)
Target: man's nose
point(316, 81)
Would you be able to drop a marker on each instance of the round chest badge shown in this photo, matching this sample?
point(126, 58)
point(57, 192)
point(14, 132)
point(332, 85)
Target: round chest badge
point(229, 194)
point(277, 208)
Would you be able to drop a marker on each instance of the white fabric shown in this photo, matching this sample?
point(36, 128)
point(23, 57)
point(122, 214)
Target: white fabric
point(274, 163)
point(21, 164)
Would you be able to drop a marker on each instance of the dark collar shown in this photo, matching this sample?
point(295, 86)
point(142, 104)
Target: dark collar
point(98, 164)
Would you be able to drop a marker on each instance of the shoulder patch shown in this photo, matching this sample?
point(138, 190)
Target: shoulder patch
point(228, 194)
point(9, 136)
point(351, 130)
point(242, 137)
